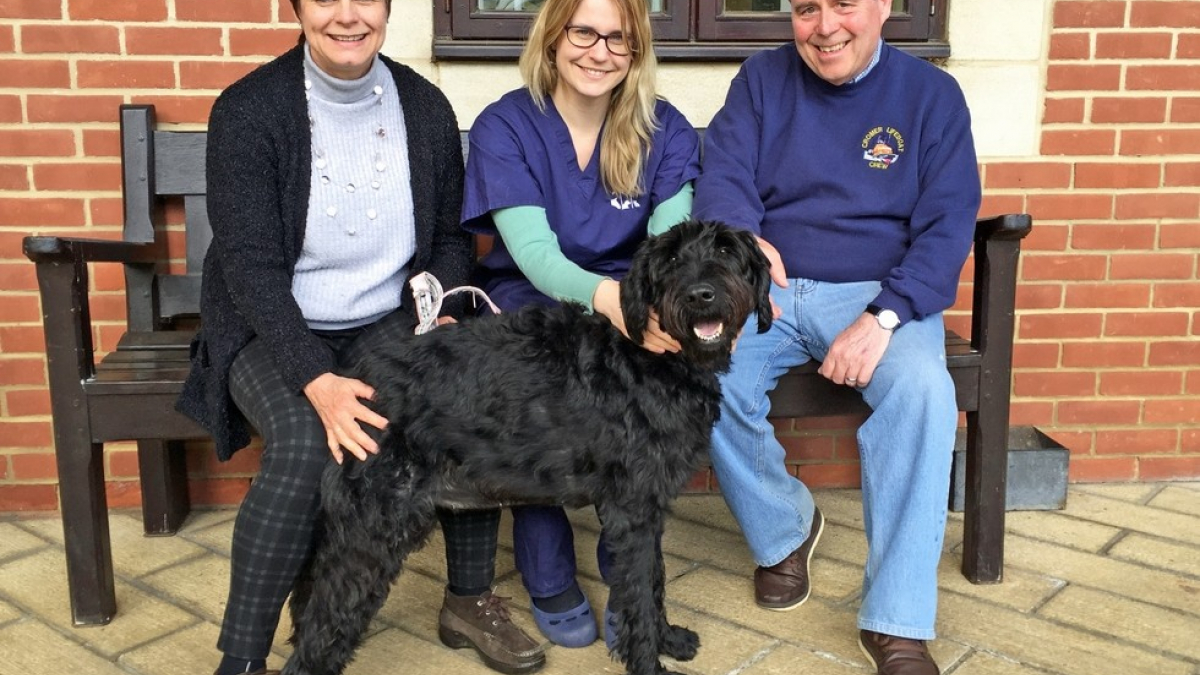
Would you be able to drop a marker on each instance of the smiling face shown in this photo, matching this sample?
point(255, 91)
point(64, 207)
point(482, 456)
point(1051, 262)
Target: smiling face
point(837, 38)
point(587, 76)
point(344, 35)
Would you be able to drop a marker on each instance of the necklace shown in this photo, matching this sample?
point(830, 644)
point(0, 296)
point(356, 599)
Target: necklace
point(339, 174)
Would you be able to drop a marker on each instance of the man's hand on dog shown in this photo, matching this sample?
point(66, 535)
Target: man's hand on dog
point(336, 400)
point(778, 273)
point(607, 301)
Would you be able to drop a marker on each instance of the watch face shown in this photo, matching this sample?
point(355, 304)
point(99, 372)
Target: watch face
point(888, 319)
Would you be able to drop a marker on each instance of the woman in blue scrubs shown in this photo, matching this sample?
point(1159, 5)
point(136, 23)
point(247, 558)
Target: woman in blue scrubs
point(573, 171)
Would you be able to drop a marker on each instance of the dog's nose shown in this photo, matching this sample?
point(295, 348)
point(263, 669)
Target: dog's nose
point(701, 293)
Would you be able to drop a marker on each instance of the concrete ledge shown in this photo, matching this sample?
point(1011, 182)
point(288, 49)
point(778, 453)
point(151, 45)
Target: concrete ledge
point(1037, 472)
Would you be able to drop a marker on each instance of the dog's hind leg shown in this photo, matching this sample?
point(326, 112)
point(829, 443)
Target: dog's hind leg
point(373, 516)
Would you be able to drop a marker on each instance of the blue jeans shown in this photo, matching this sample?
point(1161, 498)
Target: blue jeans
point(905, 448)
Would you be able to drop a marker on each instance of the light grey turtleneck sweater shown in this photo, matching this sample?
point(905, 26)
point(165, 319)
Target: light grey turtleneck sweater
point(360, 234)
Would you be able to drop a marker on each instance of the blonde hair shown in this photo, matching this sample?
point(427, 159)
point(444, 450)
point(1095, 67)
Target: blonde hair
point(630, 121)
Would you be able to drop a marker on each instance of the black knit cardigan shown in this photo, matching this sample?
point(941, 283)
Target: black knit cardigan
point(258, 172)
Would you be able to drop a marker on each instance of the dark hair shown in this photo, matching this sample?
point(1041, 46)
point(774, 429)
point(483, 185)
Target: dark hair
point(296, 9)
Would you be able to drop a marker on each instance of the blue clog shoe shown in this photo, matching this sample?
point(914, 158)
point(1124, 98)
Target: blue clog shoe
point(572, 628)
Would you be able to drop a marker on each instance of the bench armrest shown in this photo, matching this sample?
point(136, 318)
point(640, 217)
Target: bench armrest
point(1009, 226)
point(64, 249)
point(997, 251)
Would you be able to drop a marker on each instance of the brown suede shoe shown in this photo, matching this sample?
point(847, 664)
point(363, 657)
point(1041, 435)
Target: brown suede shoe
point(896, 656)
point(785, 585)
point(483, 623)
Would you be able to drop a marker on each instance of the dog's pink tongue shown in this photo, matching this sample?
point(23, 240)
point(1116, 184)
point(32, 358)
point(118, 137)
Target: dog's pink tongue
point(708, 328)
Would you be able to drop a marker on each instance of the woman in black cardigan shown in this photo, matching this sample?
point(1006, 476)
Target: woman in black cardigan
point(334, 174)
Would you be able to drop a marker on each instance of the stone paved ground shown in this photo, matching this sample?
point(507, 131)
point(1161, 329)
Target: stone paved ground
point(1109, 585)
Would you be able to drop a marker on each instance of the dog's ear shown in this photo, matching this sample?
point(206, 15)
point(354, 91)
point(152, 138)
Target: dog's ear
point(759, 273)
point(637, 289)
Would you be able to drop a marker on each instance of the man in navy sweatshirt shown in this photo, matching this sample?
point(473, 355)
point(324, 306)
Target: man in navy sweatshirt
point(854, 164)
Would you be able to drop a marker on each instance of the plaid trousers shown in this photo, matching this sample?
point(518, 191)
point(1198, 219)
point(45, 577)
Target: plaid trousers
point(273, 533)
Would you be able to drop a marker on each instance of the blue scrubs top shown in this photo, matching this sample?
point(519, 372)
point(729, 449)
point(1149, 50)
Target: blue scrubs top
point(521, 156)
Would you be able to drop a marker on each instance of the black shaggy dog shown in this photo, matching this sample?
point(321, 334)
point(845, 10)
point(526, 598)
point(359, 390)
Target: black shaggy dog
point(543, 403)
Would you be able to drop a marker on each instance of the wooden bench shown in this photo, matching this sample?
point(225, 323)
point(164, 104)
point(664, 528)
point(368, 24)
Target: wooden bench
point(130, 393)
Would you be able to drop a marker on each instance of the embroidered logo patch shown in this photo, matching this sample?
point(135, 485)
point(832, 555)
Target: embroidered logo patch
point(882, 147)
point(625, 203)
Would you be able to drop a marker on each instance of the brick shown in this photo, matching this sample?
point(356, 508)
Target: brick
point(27, 402)
point(123, 494)
point(30, 9)
point(211, 74)
point(994, 205)
point(74, 108)
point(1141, 383)
point(1173, 411)
point(261, 41)
point(8, 40)
point(41, 212)
point(1169, 468)
point(126, 74)
point(831, 422)
point(1112, 237)
point(71, 177)
point(1192, 382)
point(1027, 175)
point(1077, 442)
point(1107, 295)
point(1079, 142)
point(1177, 295)
point(1070, 46)
point(1181, 174)
point(1136, 441)
point(1128, 110)
point(1098, 412)
point(233, 11)
point(805, 448)
point(1145, 324)
point(107, 10)
point(180, 109)
point(1103, 354)
point(1031, 413)
point(1049, 326)
point(16, 371)
point(1162, 78)
point(25, 434)
point(212, 492)
point(10, 109)
point(1085, 14)
point(1172, 14)
point(1073, 206)
point(1188, 46)
point(1179, 236)
point(1117, 175)
point(36, 143)
point(1133, 45)
point(123, 464)
point(1152, 266)
point(1047, 236)
point(101, 143)
point(1102, 470)
point(1036, 354)
point(1185, 109)
point(173, 41)
point(1063, 111)
point(18, 275)
point(830, 475)
point(1189, 440)
point(1079, 77)
point(1186, 353)
point(1045, 384)
point(22, 309)
point(1160, 142)
point(70, 39)
point(287, 14)
point(845, 447)
point(33, 466)
point(19, 497)
point(1039, 296)
point(35, 74)
point(1063, 267)
point(14, 177)
point(1158, 204)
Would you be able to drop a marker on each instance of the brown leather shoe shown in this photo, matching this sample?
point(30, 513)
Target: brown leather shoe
point(483, 623)
point(785, 586)
point(896, 656)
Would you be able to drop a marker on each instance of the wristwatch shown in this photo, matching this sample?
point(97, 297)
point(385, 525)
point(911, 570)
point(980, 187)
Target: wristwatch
point(888, 320)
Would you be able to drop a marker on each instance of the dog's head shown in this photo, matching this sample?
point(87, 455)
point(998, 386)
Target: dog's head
point(703, 279)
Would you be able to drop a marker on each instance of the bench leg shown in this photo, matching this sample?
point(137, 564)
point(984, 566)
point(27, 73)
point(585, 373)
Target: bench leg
point(85, 531)
point(163, 471)
point(986, 484)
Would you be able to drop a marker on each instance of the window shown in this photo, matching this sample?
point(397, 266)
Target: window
point(694, 30)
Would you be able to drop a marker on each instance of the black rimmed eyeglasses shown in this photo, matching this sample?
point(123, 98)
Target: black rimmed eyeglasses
point(585, 37)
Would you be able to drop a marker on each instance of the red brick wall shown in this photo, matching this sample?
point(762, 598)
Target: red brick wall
point(1108, 337)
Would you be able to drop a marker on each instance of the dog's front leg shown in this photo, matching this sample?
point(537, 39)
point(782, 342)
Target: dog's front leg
point(676, 642)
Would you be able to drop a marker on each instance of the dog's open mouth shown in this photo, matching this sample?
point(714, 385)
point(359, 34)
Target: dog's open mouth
point(709, 331)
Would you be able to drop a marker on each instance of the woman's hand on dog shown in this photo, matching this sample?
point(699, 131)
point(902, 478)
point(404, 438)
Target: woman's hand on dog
point(336, 400)
point(607, 301)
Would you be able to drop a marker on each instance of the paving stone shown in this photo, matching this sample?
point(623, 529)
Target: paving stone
point(1154, 627)
point(192, 651)
point(1134, 581)
point(1147, 519)
point(33, 647)
point(14, 541)
point(1060, 528)
point(1021, 590)
point(1130, 492)
point(1168, 555)
point(201, 585)
point(9, 613)
point(1045, 644)
point(980, 663)
point(39, 583)
point(393, 651)
point(1182, 499)
point(788, 659)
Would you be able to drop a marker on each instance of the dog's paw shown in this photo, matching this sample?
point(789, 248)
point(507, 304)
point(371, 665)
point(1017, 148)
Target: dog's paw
point(680, 643)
